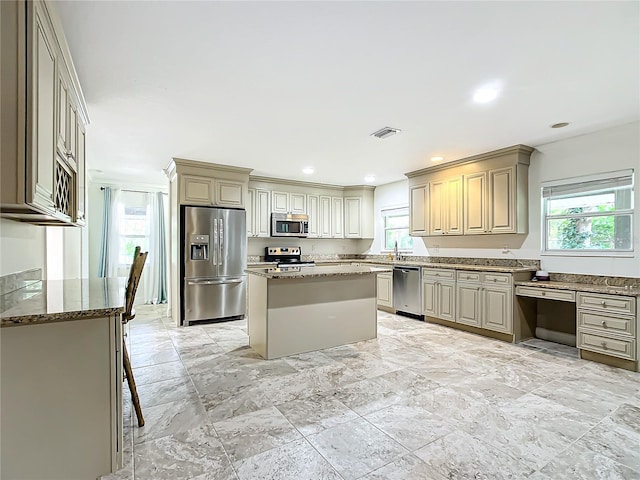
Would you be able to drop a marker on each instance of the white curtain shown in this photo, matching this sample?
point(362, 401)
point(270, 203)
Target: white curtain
point(153, 283)
point(110, 243)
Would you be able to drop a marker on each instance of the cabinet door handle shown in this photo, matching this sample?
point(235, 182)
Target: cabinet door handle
point(604, 345)
point(604, 324)
point(495, 279)
point(603, 303)
point(544, 293)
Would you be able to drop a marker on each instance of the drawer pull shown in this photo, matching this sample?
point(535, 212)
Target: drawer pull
point(603, 303)
point(604, 324)
point(604, 345)
point(544, 293)
point(495, 279)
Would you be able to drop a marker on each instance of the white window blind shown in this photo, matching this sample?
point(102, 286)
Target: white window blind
point(588, 184)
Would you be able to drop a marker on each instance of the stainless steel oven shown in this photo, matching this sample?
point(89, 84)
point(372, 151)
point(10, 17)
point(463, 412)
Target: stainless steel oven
point(289, 225)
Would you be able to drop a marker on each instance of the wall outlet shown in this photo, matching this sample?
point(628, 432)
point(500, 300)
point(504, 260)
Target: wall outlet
point(505, 249)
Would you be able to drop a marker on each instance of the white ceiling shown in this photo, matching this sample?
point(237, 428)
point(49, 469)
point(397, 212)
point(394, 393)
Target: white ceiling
point(278, 86)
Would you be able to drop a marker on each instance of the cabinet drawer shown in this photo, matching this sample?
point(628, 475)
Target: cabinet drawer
point(498, 278)
point(606, 324)
point(438, 273)
point(468, 276)
point(607, 346)
point(562, 295)
point(607, 303)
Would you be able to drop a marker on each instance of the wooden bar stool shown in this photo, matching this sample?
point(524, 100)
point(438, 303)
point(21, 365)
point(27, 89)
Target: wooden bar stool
point(129, 314)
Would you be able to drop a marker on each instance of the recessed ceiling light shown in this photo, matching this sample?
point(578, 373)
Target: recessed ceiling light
point(308, 170)
point(437, 159)
point(559, 125)
point(369, 178)
point(485, 94)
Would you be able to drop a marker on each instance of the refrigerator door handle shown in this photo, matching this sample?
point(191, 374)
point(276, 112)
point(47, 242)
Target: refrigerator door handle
point(221, 243)
point(214, 282)
point(215, 242)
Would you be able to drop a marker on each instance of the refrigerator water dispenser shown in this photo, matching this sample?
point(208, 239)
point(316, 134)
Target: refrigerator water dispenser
point(199, 247)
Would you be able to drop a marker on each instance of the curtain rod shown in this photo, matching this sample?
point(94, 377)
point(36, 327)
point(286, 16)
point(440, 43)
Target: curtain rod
point(134, 191)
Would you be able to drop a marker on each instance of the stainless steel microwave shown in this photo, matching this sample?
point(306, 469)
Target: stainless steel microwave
point(289, 225)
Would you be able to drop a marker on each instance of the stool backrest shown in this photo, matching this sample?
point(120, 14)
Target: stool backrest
point(132, 284)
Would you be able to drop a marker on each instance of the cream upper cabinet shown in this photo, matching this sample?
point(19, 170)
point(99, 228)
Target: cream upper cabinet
point(251, 212)
point(352, 217)
point(43, 100)
point(40, 172)
point(325, 217)
point(475, 203)
point(502, 200)
point(298, 203)
point(313, 211)
point(229, 193)
point(289, 202)
point(280, 202)
point(81, 175)
point(418, 210)
point(201, 190)
point(483, 194)
point(262, 213)
point(358, 212)
point(337, 217)
point(445, 212)
point(197, 190)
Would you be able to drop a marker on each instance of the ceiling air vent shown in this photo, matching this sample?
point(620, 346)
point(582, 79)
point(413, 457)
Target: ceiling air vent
point(385, 132)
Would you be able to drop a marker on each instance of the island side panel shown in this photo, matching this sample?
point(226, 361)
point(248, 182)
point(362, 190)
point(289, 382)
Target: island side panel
point(320, 312)
point(257, 319)
point(57, 400)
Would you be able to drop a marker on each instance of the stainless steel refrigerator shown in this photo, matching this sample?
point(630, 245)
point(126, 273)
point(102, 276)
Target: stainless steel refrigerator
point(214, 253)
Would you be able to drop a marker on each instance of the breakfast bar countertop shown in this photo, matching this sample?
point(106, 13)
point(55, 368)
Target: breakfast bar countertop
point(49, 301)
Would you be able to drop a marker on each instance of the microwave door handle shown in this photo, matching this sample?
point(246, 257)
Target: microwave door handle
point(221, 242)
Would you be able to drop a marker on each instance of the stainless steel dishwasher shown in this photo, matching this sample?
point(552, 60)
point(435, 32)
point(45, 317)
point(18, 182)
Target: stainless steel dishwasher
point(407, 291)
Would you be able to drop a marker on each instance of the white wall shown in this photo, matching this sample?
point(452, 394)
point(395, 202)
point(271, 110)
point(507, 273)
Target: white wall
point(391, 195)
point(603, 151)
point(22, 246)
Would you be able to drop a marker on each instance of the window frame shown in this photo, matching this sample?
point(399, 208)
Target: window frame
point(576, 187)
point(400, 211)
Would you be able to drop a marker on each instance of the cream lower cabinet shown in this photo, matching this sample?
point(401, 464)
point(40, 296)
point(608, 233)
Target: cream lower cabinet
point(385, 289)
point(485, 300)
point(62, 399)
point(439, 293)
point(607, 324)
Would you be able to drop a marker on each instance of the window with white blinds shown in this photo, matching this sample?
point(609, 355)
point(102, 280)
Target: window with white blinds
point(592, 214)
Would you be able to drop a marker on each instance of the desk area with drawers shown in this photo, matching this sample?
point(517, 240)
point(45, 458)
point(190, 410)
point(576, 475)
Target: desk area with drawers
point(606, 317)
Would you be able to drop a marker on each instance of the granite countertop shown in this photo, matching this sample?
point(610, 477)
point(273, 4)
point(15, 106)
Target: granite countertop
point(62, 300)
point(317, 271)
point(583, 287)
point(454, 266)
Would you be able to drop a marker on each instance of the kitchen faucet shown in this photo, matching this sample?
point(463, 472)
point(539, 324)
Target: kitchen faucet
point(396, 256)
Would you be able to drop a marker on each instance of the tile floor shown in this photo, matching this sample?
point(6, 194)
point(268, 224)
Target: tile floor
point(420, 402)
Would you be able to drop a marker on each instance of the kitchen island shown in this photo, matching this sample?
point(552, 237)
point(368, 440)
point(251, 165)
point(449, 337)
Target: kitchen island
point(301, 309)
point(61, 379)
